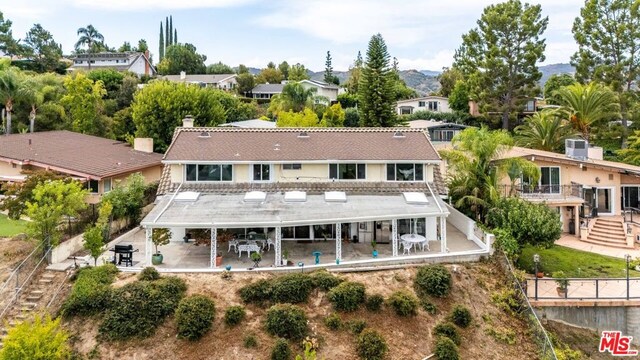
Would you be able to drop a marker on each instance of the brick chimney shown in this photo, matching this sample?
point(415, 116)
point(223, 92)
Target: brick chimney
point(147, 68)
point(187, 121)
point(143, 144)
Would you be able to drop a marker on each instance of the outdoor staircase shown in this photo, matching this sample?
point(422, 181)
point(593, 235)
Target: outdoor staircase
point(34, 298)
point(608, 233)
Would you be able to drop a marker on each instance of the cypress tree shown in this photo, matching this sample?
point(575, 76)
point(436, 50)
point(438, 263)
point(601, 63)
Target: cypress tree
point(175, 36)
point(166, 30)
point(328, 69)
point(171, 30)
point(375, 89)
point(161, 47)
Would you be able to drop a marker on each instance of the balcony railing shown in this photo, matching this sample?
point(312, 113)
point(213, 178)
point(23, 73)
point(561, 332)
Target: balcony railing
point(584, 289)
point(542, 191)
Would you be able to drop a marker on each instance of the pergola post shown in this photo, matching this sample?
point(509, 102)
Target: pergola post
point(214, 247)
point(338, 242)
point(278, 259)
point(148, 244)
point(394, 237)
point(576, 219)
point(443, 234)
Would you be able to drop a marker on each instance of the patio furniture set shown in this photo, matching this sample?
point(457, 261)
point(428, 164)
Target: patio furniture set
point(253, 243)
point(409, 241)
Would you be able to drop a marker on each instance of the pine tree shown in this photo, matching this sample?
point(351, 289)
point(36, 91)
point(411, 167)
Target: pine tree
point(358, 62)
point(171, 30)
point(161, 47)
point(328, 69)
point(376, 87)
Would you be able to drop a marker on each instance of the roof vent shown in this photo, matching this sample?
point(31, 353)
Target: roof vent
point(204, 134)
point(398, 134)
point(187, 196)
point(335, 196)
point(295, 196)
point(303, 134)
point(255, 196)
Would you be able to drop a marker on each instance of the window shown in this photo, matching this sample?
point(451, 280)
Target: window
point(406, 110)
point(106, 185)
point(433, 105)
point(531, 106)
point(92, 186)
point(297, 232)
point(291, 166)
point(261, 172)
point(631, 196)
point(443, 135)
point(347, 171)
point(405, 172)
point(549, 181)
point(421, 103)
point(200, 172)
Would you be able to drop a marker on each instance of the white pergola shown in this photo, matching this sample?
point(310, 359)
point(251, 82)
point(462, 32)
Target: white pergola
point(278, 210)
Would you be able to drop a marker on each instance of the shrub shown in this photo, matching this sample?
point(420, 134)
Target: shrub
point(357, 326)
point(506, 242)
point(42, 338)
point(447, 329)
point(291, 288)
point(460, 316)
point(506, 300)
point(333, 321)
point(371, 345)
point(504, 335)
point(258, 292)
point(281, 350)
point(194, 316)
point(287, 321)
point(139, 307)
point(234, 314)
point(428, 306)
point(527, 222)
point(324, 280)
point(404, 303)
point(149, 274)
point(347, 296)
point(91, 291)
point(374, 302)
point(446, 349)
point(250, 341)
point(433, 280)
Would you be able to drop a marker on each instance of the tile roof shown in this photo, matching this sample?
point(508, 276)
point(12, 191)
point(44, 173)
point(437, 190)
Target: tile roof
point(204, 78)
point(268, 89)
point(285, 144)
point(75, 153)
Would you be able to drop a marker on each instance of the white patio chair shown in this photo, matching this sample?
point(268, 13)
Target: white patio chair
point(406, 247)
point(233, 244)
point(424, 244)
point(269, 243)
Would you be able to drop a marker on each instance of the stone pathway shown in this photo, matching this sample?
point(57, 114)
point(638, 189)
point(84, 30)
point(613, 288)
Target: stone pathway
point(572, 241)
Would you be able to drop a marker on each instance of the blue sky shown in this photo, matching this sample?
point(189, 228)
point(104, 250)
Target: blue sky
point(422, 34)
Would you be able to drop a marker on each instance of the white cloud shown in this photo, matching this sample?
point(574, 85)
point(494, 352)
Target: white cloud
point(436, 62)
point(135, 5)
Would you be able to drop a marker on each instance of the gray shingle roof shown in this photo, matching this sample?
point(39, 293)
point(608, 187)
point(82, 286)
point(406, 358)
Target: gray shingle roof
point(268, 89)
point(204, 78)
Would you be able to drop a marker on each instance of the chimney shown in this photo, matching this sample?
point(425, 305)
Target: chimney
point(147, 68)
point(187, 122)
point(595, 152)
point(183, 75)
point(143, 144)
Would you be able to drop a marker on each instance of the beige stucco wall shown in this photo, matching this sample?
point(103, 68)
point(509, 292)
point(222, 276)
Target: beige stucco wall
point(443, 104)
point(7, 169)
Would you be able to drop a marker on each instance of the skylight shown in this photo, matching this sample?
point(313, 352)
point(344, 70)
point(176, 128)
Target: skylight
point(255, 196)
point(335, 196)
point(187, 196)
point(295, 196)
point(415, 198)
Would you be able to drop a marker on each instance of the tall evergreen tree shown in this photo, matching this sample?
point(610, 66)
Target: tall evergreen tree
point(167, 39)
point(499, 57)
point(175, 36)
point(171, 42)
point(376, 86)
point(328, 69)
point(161, 47)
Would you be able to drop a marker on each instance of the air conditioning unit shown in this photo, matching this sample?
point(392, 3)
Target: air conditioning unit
point(577, 148)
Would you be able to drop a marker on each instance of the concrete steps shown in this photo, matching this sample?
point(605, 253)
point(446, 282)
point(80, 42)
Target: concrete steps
point(607, 232)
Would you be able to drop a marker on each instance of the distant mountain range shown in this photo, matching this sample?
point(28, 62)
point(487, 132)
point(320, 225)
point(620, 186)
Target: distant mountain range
point(426, 81)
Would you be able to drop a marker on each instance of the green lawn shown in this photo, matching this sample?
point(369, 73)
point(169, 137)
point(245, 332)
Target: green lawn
point(10, 227)
point(574, 263)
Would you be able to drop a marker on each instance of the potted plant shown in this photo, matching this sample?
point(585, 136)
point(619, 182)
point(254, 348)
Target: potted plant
point(373, 246)
point(256, 257)
point(160, 236)
point(563, 283)
point(285, 257)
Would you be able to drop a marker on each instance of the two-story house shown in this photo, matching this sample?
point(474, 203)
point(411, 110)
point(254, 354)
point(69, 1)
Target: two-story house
point(135, 62)
point(590, 194)
point(426, 103)
point(351, 186)
point(225, 82)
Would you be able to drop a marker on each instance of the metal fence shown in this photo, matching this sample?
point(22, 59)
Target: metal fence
point(583, 289)
point(542, 191)
point(538, 333)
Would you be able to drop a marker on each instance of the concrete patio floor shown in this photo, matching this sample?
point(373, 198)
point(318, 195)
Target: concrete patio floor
point(180, 255)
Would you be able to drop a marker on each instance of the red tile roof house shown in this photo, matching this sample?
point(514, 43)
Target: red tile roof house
point(102, 163)
point(292, 187)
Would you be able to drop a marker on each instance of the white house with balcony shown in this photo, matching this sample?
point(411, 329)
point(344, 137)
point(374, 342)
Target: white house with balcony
point(426, 103)
point(135, 62)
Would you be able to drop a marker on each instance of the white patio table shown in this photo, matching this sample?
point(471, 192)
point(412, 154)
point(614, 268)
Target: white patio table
point(415, 239)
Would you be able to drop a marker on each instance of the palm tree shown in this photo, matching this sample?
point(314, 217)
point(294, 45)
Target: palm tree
point(475, 169)
point(295, 97)
point(9, 90)
point(89, 36)
point(545, 130)
point(587, 104)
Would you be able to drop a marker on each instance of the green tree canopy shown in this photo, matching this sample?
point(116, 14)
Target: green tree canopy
point(499, 58)
point(306, 118)
point(448, 79)
point(334, 116)
point(284, 69)
point(84, 104)
point(355, 71)
point(42, 49)
point(585, 105)
point(219, 68)
point(182, 57)
point(459, 97)
point(269, 75)
point(298, 72)
point(246, 83)
point(545, 130)
point(10, 89)
point(40, 338)
point(8, 45)
point(553, 84)
point(90, 38)
point(376, 93)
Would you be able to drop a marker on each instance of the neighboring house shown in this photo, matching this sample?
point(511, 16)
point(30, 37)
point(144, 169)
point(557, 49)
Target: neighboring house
point(581, 185)
point(529, 108)
point(254, 123)
point(135, 62)
point(343, 185)
point(266, 91)
point(330, 91)
point(99, 162)
point(440, 132)
point(220, 81)
point(427, 103)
